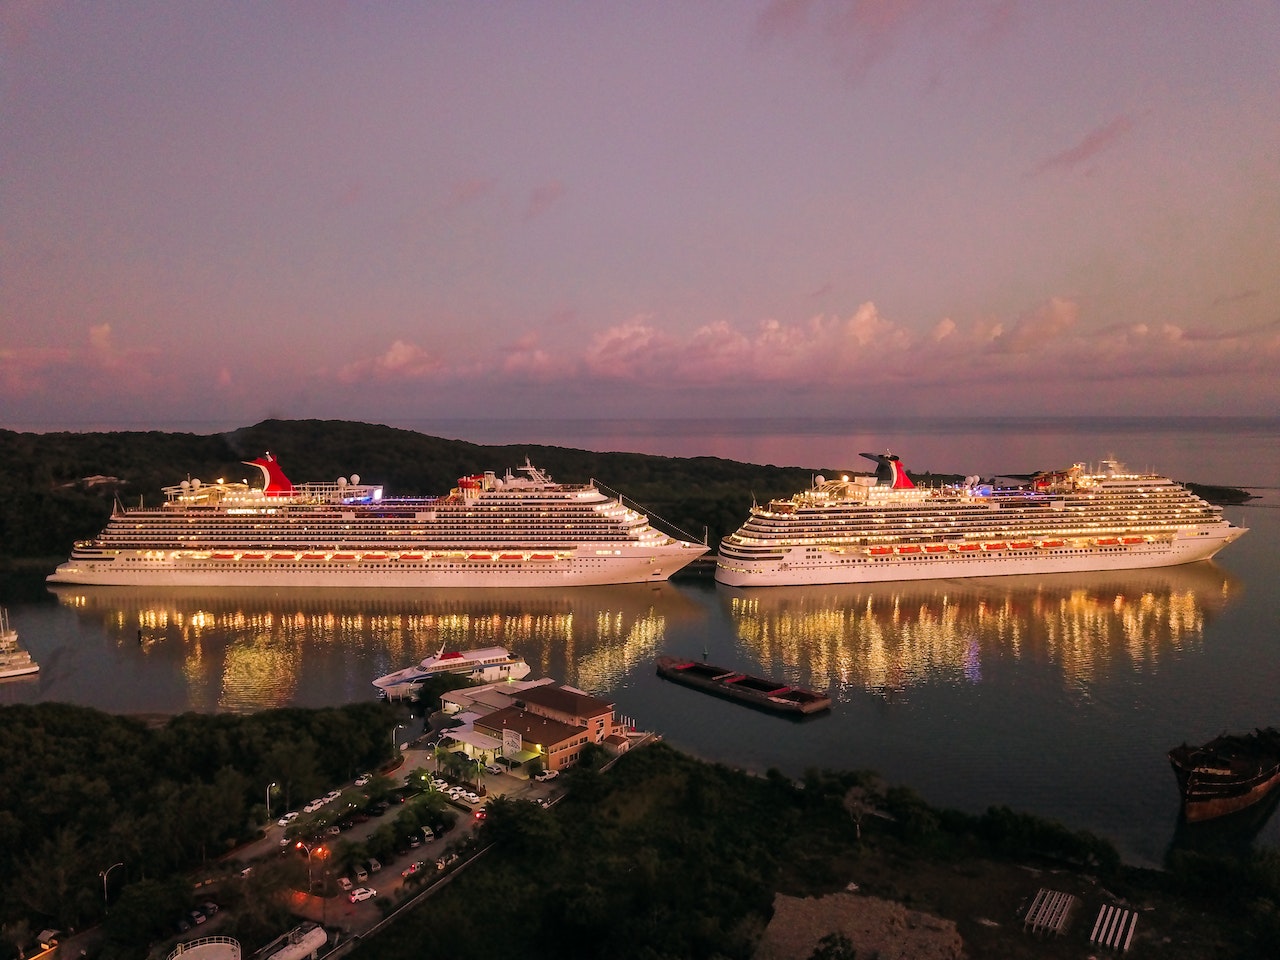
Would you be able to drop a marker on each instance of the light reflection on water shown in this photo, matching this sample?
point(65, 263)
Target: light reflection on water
point(887, 638)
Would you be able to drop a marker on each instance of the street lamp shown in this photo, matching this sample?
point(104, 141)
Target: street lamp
point(307, 847)
point(394, 748)
point(106, 906)
point(269, 786)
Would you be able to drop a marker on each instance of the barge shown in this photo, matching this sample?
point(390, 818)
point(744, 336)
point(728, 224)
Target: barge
point(766, 694)
point(1229, 773)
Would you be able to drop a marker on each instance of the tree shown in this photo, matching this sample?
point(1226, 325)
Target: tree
point(834, 946)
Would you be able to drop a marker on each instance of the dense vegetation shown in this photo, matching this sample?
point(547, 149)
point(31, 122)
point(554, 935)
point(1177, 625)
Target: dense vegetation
point(83, 790)
point(668, 857)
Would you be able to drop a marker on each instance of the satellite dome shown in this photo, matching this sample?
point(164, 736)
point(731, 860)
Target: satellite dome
point(355, 478)
point(342, 481)
point(819, 480)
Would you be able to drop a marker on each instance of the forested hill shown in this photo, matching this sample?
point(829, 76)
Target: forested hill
point(56, 488)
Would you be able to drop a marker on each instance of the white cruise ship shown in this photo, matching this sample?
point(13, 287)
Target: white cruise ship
point(513, 531)
point(486, 664)
point(866, 529)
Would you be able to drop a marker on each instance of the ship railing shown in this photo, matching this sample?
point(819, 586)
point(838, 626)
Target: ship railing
point(663, 525)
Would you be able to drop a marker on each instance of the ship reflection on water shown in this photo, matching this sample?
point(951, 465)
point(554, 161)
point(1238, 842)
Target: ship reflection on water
point(888, 638)
point(245, 650)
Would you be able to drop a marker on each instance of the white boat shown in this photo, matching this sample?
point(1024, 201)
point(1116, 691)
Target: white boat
point(14, 660)
point(485, 664)
point(865, 529)
point(515, 531)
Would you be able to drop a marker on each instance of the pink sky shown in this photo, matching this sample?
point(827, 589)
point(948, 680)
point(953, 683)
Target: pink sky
point(802, 207)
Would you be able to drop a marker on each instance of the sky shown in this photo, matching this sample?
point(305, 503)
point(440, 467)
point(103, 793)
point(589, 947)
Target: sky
point(388, 211)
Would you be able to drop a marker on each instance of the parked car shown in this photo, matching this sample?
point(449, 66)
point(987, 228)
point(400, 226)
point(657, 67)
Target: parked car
point(208, 907)
point(332, 831)
point(361, 874)
point(546, 775)
point(345, 884)
point(415, 841)
point(287, 819)
point(332, 795)
point(413, 868)
point(196, 916)
point(494, 769)
point(481, 814)
point(314, 805)
point(374, 865)
point(363, 779)
point(362, 893)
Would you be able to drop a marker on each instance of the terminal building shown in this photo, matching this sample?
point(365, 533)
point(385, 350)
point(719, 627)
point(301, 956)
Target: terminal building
point(516, 722)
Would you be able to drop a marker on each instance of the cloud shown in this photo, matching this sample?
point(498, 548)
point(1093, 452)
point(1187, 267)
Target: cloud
point(400, 361)
point(542, 198)
point(1035, 330)
point(1094, 143)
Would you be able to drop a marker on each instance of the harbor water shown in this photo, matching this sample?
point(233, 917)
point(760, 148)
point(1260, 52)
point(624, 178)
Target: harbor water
point(1056, 695)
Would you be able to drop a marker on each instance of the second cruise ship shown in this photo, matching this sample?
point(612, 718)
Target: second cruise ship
point(880, 528)
point(514, 531)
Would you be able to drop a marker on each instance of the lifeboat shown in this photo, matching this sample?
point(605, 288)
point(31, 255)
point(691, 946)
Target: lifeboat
point(374, 556)
point(879, 551)
point(313, 556)
point(1130, 541)
point(993, 546)
point(1050, 544)
point(480, 556)
point(936, 548)
point(253, 556)
point(967, 547)
point(284, 556)
point(223, 555)
point(410, 556)
point(343, 556)
point(542, 556)
point(1107, 541)
point(910, 548)
point(1020, 545)
point(512, 556)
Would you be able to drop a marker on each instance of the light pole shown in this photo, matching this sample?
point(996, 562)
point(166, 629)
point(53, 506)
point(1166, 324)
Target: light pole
point(106, 906)
point(269, 786)
point(395, 748)
point(307, 847)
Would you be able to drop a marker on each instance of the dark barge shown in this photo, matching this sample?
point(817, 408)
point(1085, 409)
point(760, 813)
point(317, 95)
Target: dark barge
point(1227, 774)
point(759, 692)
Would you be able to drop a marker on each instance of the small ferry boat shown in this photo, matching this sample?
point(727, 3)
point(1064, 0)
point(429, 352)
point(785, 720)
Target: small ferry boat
point(485, 664)
point(14, 661)
point(754, 691)
point(1227, 774)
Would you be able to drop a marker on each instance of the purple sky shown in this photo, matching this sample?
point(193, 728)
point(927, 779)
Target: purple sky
point(382, 211)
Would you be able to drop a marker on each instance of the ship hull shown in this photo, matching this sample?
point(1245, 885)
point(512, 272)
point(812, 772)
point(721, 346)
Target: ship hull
point(830, 566)
point(146, 569)
point(1229, 774)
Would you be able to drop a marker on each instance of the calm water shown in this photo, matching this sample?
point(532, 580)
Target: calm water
point(1057, 695)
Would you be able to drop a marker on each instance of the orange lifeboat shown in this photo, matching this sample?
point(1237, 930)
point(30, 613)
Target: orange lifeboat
point(253, 556)
point(993, 546)
point(1020, 545)
point(542, 556)
point(1130, 541)
point(909, 548)
point(936, 548)
point(480, 556)
point(1050, 544)
point(1107, 542)
point(966, 547)
point(344, 556)
point(879, 551)
point(512, 556)
point(410, 556)
point(374, 556)
point(224, 556)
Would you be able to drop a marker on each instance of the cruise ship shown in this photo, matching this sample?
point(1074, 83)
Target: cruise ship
point(486, 665)
point(864, 529)
point(514, 531)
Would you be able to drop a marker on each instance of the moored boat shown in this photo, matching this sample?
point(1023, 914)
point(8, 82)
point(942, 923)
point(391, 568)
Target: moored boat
point(489, 531)
point(772, 695)
point(863, 529)
point(1229, 773)
point(14, 661)
point(484, 664)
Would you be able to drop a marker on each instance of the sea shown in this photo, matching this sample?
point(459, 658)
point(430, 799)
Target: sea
point(1055, 695)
